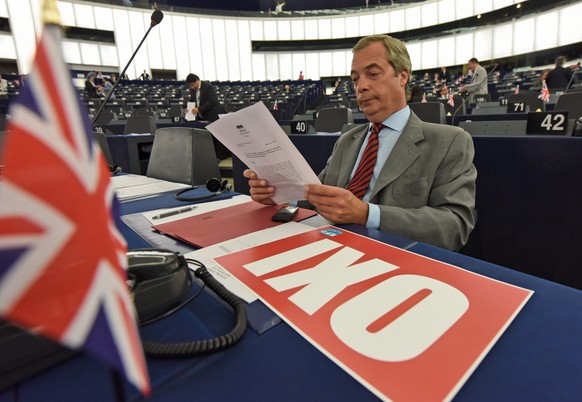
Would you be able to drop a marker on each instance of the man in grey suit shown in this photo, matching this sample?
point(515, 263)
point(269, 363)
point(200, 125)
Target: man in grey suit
point(478, 83)
point(423, 182)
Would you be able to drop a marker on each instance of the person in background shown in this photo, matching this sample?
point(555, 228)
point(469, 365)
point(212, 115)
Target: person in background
point(540, 80)
point(559, 77)
point(397, 173)
point(444, 75)
point(416, 94)
point(107, 87)
point(478, 83)
point(3, 86)
point(301, 77)
point(93, 91)
point(208, 107)
point(279, 7)
point(144, 76)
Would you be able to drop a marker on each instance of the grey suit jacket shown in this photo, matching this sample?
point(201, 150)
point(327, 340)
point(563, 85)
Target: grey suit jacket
point(426, 189)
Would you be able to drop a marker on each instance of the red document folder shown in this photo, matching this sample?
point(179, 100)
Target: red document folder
point(226, 223)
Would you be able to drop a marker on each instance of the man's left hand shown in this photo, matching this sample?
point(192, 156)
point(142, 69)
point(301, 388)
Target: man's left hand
point(337, 204)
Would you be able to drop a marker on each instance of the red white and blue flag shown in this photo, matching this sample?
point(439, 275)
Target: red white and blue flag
point(545, 92)
point(62, 258)
point(516, 90)
point(423, 98)
point(451, 100)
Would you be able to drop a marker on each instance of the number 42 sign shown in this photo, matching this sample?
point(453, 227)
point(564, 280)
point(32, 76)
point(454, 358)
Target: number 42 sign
point(405, 326)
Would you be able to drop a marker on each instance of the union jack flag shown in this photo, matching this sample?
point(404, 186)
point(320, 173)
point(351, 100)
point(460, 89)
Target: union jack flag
point(276, 105)
point(545, 92)
point(62, 258)
point(423, 98)
point(517, 89)
point(451, 100)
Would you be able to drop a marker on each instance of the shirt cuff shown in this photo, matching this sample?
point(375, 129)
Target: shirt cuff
point(292, 203)
point(373, 216)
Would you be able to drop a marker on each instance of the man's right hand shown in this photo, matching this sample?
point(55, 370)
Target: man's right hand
point(260, 189)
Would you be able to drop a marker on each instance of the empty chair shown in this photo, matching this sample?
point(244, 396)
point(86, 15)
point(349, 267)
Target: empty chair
point(430, 112)
point(183, 155)
point(140, 125)
point(570, 102)
point(529, 98)
point(331, 120)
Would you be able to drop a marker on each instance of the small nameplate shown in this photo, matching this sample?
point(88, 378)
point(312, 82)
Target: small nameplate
point(548, 123)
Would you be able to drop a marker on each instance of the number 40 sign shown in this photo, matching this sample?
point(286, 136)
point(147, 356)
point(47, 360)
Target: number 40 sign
point(406, 326)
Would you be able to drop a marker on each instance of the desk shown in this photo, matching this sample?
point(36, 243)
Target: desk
point(537, 358)
point(118, 126)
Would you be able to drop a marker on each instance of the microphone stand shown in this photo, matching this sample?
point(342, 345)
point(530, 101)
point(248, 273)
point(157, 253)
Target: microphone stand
point(154, 23)
point(477, 88)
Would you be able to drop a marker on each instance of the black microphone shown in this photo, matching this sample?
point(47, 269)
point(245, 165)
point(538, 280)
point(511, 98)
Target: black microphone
point(157, 17)
point(476, 89)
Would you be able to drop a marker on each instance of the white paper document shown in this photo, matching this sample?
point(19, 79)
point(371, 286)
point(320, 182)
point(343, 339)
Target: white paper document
point(206, 255)
point(254, 136)
point(189, 116)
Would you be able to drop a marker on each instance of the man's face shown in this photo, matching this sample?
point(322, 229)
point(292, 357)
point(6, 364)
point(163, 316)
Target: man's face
point(379, 91)
point(194, 85)
point(472, 66)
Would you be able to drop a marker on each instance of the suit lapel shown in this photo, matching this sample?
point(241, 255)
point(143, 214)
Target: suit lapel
point(402, 156)
point(350, 154)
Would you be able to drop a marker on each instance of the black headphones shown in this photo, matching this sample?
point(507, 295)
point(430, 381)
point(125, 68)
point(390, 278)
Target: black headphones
point(215, 186)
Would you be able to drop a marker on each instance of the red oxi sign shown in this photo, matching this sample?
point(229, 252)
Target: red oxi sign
point(406, 326)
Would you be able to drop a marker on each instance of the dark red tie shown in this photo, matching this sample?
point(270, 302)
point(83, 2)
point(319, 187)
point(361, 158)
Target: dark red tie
point(361, 180)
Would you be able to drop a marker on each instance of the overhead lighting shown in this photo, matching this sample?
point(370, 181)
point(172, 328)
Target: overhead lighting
point(479, 16)
point(518, 6)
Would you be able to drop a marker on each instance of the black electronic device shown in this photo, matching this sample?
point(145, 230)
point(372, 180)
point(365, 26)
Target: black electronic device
point(285, 214)
point(215, 186)
point(157, 279)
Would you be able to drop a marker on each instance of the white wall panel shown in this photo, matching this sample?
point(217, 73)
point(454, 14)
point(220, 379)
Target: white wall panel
point(311, 29)
point(270, 30)
point(415, 52)
point(286, 67)
point(463, 9)
point(103, 18)
point(231, 29)
point(311, 70)
point(482, 6)
point(220, 52)
point(325, 64)
point(483, 40)
point(36, 8)
point(7, 49)
point(366, 25)
point(272, 66)
point(108, 55)
point(352, 27)
point(23, 33)
point(299, 65)
point(430, 14)
point(257, 30)
point(324, 28)
point(502, 3)
point(72, 52)
point(245, 50)
point(84, 16)
point(68, 14)
point(569, 30)
point(297, 29)
point(502, 40)
point(446, 11)
point(153, 43)
point(338, 61)
point(284, 30)
point(397, 21)
point(464, 48)
point(180, 45)
point(523, 34)
point(138, 24)
point(338, 28)
point(122, 35)
point(429, 54)
point(413, 17)
point(446, 51)
point(381, 23)
point(207, 41)
point(90, 53)
point(547, 30)
point(259, 69)
point(3, 9)
point(194, 48)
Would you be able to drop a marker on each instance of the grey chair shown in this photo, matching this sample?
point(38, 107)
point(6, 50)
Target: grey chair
point(331, 120)
point(570, 102)
point(140, 125)
point(430, 112)
point(183, 155)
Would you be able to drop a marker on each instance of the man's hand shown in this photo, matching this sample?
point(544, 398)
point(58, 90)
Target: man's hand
point(260, 189)
point(463, 89)
point(195, 111)
point(337, 204)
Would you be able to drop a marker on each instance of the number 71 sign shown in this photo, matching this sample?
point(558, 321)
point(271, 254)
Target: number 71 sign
point(406, 326)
